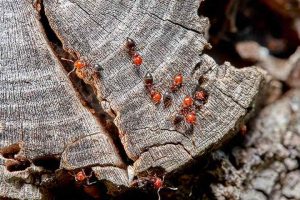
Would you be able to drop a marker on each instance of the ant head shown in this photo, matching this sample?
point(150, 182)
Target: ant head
point(158, 183)
point(79, 64)
point(80, 176)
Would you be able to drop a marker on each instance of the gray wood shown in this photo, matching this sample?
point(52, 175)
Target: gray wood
point(168, 44)
point(41, 114)
point(266, 165)
point(39, 108)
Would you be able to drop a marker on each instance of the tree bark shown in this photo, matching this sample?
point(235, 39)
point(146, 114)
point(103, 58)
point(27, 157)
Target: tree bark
point(43, 114)
point(266, 164)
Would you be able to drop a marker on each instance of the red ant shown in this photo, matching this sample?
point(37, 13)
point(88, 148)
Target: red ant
point(83, 69)
point(177, 119)
point(201, 95)
point(177, 82)
point(88, 186)
point(167, 99)
point(243, 129)
point(137, 59)
point(156, 96)
point(148, 80)
point(81, 177)
point(191, 118)
point(152, 181)
point(187, 110)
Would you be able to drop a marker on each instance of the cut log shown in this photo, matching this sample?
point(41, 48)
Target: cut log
point(42, 117)
point(266, 164)
point(41, 114)
point(170, 41)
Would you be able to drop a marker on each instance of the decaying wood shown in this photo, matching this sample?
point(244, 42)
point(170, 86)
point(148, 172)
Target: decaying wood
point(169, 46)
point(281, 69)
point(266, 166)
point(42, 116)
point(40, 111)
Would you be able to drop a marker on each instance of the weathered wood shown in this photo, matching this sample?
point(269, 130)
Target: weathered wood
point(42, 115)
point(39, 109)
point(170, 42)
point(281, 69)
point(266, 166)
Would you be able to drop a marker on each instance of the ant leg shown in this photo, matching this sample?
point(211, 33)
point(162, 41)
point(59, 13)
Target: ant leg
point(88, 179)
point(67, 60)
point(90, 183)
point(73, 174)
point(91, 174)
point(71, 71)
point(77, 54)
point(158, 193)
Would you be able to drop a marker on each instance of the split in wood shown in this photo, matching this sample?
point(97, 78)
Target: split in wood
point(19, 163)
point(47, 162)
point(83, 69)
point(10, 151)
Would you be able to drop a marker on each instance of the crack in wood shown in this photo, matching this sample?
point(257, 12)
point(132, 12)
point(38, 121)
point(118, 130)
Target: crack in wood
point(175, 23)
point(80, 85)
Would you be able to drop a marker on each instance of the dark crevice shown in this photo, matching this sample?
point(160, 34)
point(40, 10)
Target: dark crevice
point(14, 160)
point(47, 162)
point(10, 151)
point(51, 35)
point(17, 164)
point(234, 21)
point(86, 92)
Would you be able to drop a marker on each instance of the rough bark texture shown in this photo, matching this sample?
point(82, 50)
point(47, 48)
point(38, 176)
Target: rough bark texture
point(147, 133)
point(42, 115)
point(40, 111)
point(266, 165)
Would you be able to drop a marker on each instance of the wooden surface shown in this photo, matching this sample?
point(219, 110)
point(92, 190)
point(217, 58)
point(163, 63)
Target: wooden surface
point(266, 164)
point(39, 107)
point(41, 110)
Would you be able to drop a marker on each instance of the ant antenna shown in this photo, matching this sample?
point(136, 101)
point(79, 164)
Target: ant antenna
point(71, 174)
point(71, 62)
point(171, 188)
point(67, 60)
point(71, 71)
point(158, 193)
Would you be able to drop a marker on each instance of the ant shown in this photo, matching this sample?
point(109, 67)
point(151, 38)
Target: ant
point(83, 69)
point(82, 178)
point(177, 82)
point(167, 98)
point(177, 119)
point(148, 81)
point(156, 96)
point(201, 95)
point(153, 182)
point(137, 59)
point(187, 110)
point(243, 129)
point(88, 186)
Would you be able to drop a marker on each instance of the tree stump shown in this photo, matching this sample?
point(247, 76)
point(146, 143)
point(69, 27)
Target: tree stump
point(266, 164)
point(46, 126)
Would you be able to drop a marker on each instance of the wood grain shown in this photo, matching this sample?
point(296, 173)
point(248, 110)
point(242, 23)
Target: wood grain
point(41, 114)
point(266, 164)
point(170, 39)
point(38, 106)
